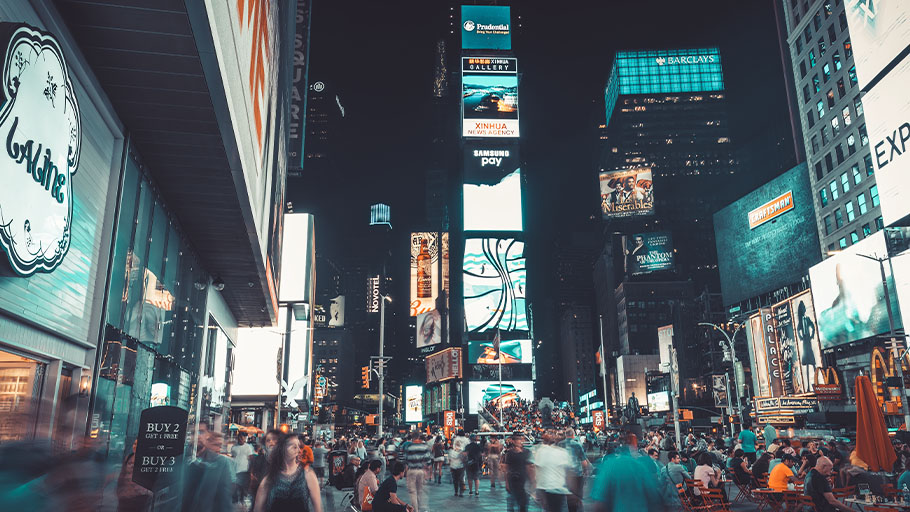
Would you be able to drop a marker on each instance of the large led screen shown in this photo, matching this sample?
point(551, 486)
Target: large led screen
point(879, 31)
point(480, 393)
point(424, 272)
point(490, 97)
point(494, 284)
point(485, 27)
point(659, 401)
point(489, 163)
point(887, 110)
point(649, 252)
point(627, 193)
point(756, 255)
point(494, 207)
point(429, 329)
point(848, 294)
point(510, 352)
point(808, 355)
point(413, 404)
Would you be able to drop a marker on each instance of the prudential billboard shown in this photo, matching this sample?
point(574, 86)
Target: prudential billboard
point(485, 27)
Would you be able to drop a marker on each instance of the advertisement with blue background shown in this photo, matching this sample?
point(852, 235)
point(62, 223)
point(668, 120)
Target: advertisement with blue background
point(485, 27)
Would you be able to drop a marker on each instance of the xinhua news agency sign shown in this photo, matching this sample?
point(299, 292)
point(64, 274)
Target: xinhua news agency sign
point(771, 210)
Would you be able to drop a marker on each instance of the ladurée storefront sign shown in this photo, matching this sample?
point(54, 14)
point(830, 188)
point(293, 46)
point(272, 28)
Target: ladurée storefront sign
point(41, 135)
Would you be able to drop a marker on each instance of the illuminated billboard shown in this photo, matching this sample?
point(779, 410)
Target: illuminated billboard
point(413, 404)
point(802, 353)
point(485, 27)
point(443, 365)
point(510, 352)
point(667, 71)
point(649, 252)
point(494, 207)
point(494, 284)
point(659, 401)
point(887, 110)
point(489, 97)
point(488, 164)
point(429, 328)
point(424, 272)
point(487, 372)
point(879, 31)
point(494, 393)
point(848, 294)
point(626, 193)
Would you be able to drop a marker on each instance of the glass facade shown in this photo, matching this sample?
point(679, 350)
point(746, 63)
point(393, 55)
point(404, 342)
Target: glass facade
point(669, 71)
point(155, 318)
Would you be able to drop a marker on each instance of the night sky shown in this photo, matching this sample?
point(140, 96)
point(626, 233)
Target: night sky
point(379, 56)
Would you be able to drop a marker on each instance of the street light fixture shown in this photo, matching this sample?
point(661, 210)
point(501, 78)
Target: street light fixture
point(729, 346)
point(385, 298)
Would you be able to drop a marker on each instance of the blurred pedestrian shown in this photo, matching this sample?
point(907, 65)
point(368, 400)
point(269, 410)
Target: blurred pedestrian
point(456, 465)
point(474, 457)
point(576, 474)
point(518, 471)
point(551, 467)
point(259, 465)
point(418, 459)
point(319, 453)
point(291, 484)
point(241, 453)
point(494, 452)
point(626, 483)
point(209, 478)
point(439, 457)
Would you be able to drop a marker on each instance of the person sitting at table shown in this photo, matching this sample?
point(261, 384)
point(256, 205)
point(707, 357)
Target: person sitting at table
point(762, 465)
point(782, 474)
point(741, 473)
point(818, 488)
point(708, 475)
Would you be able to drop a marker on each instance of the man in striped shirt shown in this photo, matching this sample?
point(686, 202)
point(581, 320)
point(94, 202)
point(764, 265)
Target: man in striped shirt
point(418, 457)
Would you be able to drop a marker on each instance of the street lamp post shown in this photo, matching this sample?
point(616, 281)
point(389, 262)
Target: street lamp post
point(729, 345)
point(571, 397)
point(382, 358)
point(603, 371)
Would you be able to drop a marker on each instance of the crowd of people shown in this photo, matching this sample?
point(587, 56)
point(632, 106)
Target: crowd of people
point(525, 416)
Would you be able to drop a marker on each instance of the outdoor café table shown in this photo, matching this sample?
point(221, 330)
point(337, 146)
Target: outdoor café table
point(860, 504)
point(769, 497)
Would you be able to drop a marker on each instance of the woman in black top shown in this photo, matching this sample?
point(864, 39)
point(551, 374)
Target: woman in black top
point(291, 484)
point(741, 473)
point(386, 497)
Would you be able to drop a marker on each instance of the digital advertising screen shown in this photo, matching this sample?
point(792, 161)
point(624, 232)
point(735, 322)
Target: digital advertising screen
point(480, 393)
point(424, 272)
point(510, 352)
point(649, 252)
point(768, 238)
point(413, 404)
point(485, 27)
point(429, 328)
point(627, 193)
point(659, 401)
point(879, 31)
point(485, 372)
point(848, 294)
point(806, 353)
point(489, 96)
point(495, 207)
point(494, 285)
point(488, 163)
point(887, 111)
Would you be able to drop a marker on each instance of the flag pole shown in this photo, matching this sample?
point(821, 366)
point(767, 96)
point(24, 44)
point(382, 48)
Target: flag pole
point(496, 343)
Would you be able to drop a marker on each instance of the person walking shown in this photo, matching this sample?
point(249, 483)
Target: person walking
point(291, 483)
point(259, 465)
point(747, 438)
point(494, 452)
point(456, 465)
point(319, 453)
point(208, 479)
point(241, 453)
point(386, 498)
point(418, 459)
point(474, 456)
point(576, 476)
point(551, 466)
point(439, 456)
point(518, 470)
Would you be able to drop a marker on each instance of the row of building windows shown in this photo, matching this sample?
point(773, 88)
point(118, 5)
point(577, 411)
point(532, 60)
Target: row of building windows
point(827, 10)
point(854, 236)
point(839, 218)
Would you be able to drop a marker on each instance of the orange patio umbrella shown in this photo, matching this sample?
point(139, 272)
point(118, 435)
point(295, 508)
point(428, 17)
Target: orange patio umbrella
point(872, 443)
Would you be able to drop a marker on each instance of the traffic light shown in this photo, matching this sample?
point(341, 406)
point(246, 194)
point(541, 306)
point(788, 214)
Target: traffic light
point(365, 377)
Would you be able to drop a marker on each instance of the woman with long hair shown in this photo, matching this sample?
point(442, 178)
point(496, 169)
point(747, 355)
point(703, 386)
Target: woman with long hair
point(291, 483)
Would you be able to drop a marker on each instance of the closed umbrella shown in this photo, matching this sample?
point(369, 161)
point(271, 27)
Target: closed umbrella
point(872, 443)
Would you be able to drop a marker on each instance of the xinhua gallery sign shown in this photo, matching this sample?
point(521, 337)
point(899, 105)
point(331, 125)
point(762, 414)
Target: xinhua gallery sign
point(41, 136)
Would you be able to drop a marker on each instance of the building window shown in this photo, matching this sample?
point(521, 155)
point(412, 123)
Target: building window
point(832, 34)
point(848, 48)
point(873, 193)
point(856, 175)
point(807, 34)
point(824, 132)
point(823, 197)
point(853, 237)
point(799, 42)
point(822, 47)
point(815, 83)
point(851, 74)
point(835, 59)
point(850, 215)
point(829, 163)
point(806, 94)
point(810, 118)
point(861, 201)
point(845, 182)
point(814, 145)
point(835, 192)
point(843, 21)
point(817, 21)
point(820, 108)
point(858, 106)
point(839, 151)
point(826, 72)
point(828, 228)
point(841, 90)
point(867, 160)
point(867, 230)
point(830, 247)
point(845, 113)
point(842, 243)
point(827, 9)
point(835, 126)
point(879, 224)
point(830, 97)
point(851, 143)
point(812, 58)
point(863, 136)
point(802, 68)
point(818, 170)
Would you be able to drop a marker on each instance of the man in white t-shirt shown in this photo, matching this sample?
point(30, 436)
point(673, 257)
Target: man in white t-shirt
point(241, 453)
point(551, 466)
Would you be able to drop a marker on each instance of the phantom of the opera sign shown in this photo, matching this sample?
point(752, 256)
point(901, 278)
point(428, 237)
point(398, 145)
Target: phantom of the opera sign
point(41, 136)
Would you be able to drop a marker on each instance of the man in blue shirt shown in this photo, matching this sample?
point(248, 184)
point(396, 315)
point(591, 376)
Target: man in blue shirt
point(747, 438)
